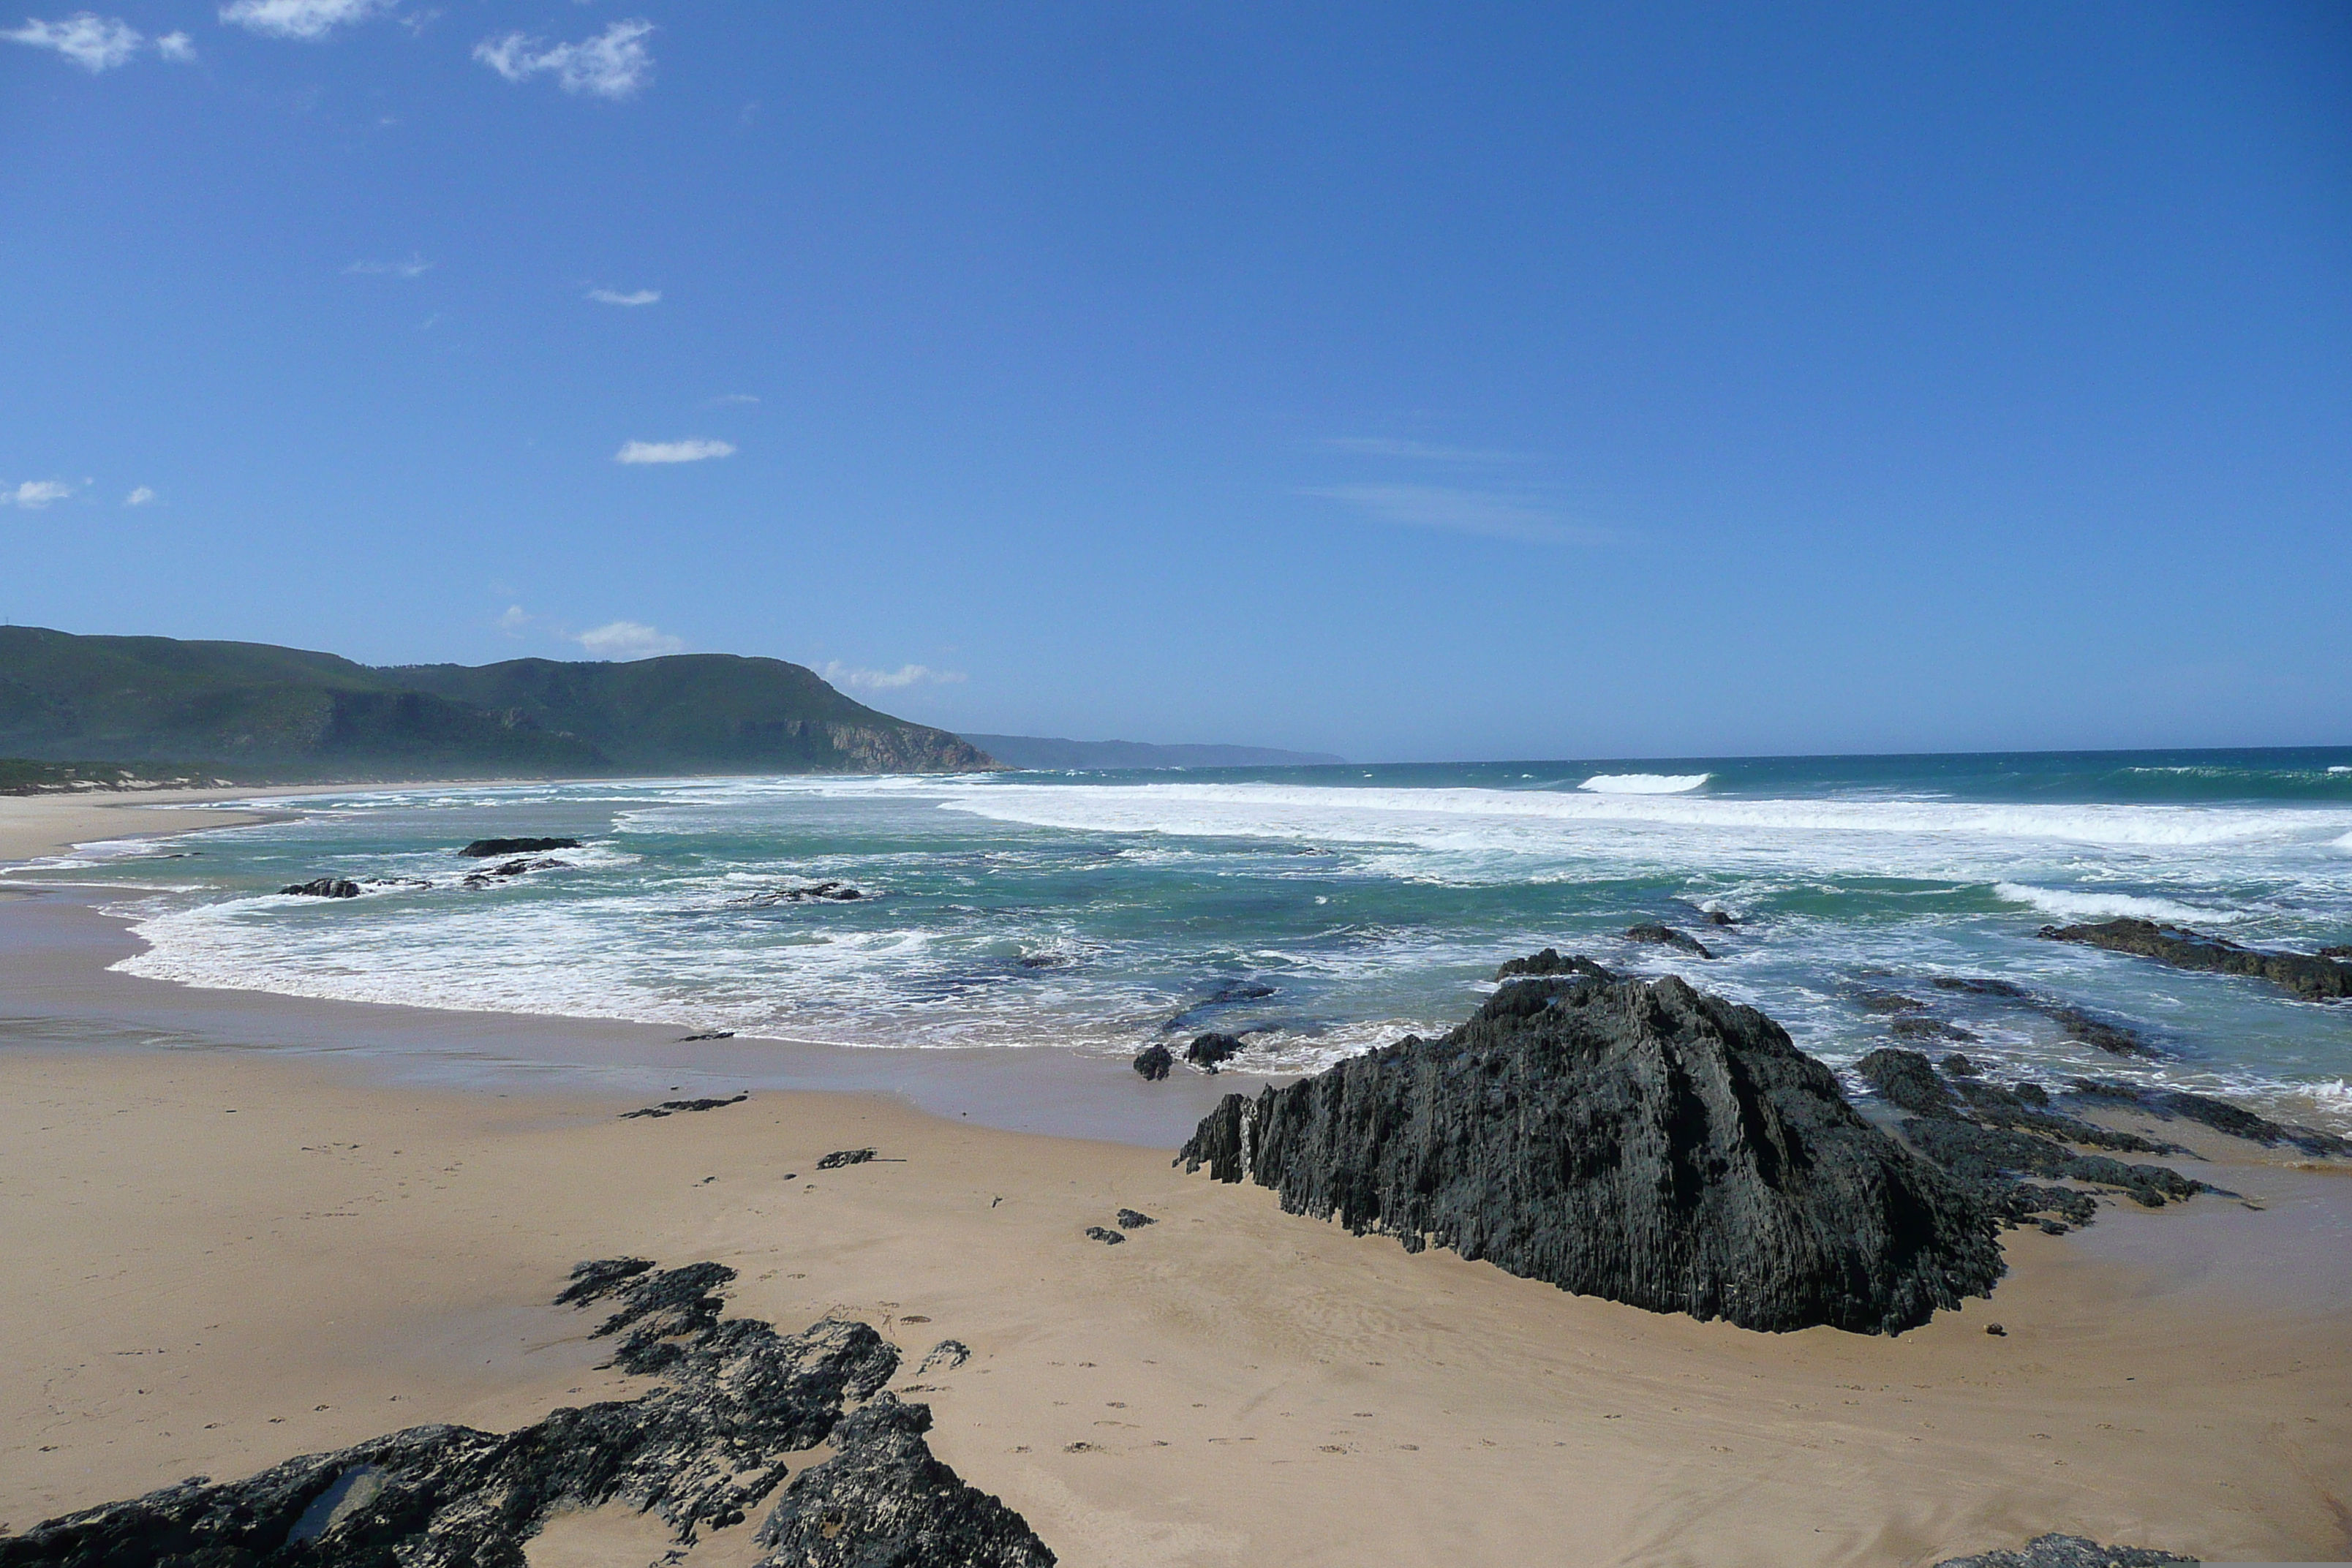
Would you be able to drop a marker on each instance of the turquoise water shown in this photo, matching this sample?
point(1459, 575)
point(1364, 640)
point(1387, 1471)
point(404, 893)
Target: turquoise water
point(1101, 911)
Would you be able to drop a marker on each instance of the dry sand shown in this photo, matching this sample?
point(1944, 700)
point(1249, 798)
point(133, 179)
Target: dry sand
point(219, 1259)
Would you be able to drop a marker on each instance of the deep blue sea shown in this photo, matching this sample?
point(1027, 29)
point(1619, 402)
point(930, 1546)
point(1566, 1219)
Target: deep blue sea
point(1101, 911)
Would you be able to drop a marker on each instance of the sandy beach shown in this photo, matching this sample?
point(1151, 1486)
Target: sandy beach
point(255, 1238)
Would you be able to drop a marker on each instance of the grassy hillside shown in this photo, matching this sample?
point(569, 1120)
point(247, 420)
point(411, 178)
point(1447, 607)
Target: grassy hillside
point(299, 713)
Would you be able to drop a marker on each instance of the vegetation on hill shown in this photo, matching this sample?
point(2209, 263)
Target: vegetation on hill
point(295, 713)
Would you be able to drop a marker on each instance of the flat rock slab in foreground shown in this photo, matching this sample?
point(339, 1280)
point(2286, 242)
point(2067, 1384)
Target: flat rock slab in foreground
point(701, 1452)
point(1642, 1141)
point(2315, 978)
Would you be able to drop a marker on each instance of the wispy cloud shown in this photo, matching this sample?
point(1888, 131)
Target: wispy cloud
point(309, 20)
point(623, 640)
point(840, 674)
point(1483, 513)
point(730, 399)
point(614, 64)
point(415, 267)
point(692, 451)
point(1418, 451)
point(516, 621)
point(139, 497)
point(35, 494)
point(178, 47)
point(614, 297)
point(93, 42)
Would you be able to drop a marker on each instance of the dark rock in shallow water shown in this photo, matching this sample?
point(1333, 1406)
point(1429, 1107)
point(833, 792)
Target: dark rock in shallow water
point(672, 1107)
point(1667, 936)
point(805, 893)
point(1154, 1061)
point(323, 888)
point(490, 848)
point(2219, 1114)
point(702, 1451)
point(1638, 1141)
point(1870, 999)
point(2311, 977)
point(1976, 987)
point(1914, 1026)
point(1549, 962)
point(708, 1035)
point(1959, 1065)
point(2115, 1039)
point(1208, 1050)
point(883, 1501)
point(841, 1158)
point(1224, 997)
point(1719, 918)
point(2070, 1552)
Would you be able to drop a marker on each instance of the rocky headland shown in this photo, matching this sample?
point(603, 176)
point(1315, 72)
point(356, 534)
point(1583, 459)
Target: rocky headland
point(1639, 1140)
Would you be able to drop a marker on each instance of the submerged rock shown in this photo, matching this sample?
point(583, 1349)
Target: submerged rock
point(2313, 977)
point(2070, 1552)
point(1976, 985)
point(1224, 997)
point(490, 848)
point(1667, 936)
point(1639, 1140)
point(1153, 1062)
point(700, 1450)
point(322, 888)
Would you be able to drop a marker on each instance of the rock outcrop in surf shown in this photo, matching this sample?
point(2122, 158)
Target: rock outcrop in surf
point(702, 1451)
point(1640, 1141)
point(2313, 977)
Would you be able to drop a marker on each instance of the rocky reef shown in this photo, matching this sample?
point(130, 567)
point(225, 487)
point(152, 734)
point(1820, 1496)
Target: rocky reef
point(322, 888)
point(2070, 1552)
point(2315, 977)
point(1667, 936)
point(702, 1451)
point(1640, 1141)
point(493, 848)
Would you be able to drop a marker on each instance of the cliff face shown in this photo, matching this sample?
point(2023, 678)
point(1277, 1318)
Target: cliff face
point(64, 697)
point(1643, 1142)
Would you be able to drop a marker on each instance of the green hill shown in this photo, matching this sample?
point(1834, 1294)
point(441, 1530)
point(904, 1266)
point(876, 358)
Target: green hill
point(301, 714)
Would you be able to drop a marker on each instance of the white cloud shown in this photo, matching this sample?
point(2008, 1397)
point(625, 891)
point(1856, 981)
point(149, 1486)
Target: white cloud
point(693, 450)
point(840, 674)
point(1460, 511)
point(732, 397)
point(35, 494)
point(514, 621)
point(1417, 451)
point(623, 640)
point(614, 64)
point(309, 20)
point(178, 47)
point(139, 496)
point(614, 297)
point(93, 42)
point(415, 267)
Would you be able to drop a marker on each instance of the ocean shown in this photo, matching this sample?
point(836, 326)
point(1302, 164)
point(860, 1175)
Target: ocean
point(1314, 911)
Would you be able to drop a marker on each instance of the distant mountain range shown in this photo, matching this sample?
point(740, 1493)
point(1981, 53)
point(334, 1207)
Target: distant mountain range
point(1046, 752)
point(288, 713)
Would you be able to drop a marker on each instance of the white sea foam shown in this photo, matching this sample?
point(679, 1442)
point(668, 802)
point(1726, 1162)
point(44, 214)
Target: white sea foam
point(1644, 783)
point(2112, 906)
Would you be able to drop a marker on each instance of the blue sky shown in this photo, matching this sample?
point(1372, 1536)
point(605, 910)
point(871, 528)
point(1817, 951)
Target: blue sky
point(1404, 380)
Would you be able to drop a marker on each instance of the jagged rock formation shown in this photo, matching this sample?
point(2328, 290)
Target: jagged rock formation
point(702, 1451)
point(1153, 1062)
point(1989, 1136)
point(2310, 976)
point(883, 1501)
point(1549, 962)
point(1667, 936)
point(322, 888)
point(1639, 1141)
point(492, 848)
point(2070, 1552)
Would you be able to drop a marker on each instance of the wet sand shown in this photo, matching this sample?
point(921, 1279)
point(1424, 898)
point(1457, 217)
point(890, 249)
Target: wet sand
point(243, 1227)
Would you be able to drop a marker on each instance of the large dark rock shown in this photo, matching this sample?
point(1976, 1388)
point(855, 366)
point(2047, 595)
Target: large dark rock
point(700, 1450)
point(490, 848)
point(1639, 1141)
point(2308, 975)
point(1667, 936)
point(883, 1501)
point(1209, 1051)
point(1153, 1062)
point(323, 888)
point(2070, 1552)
